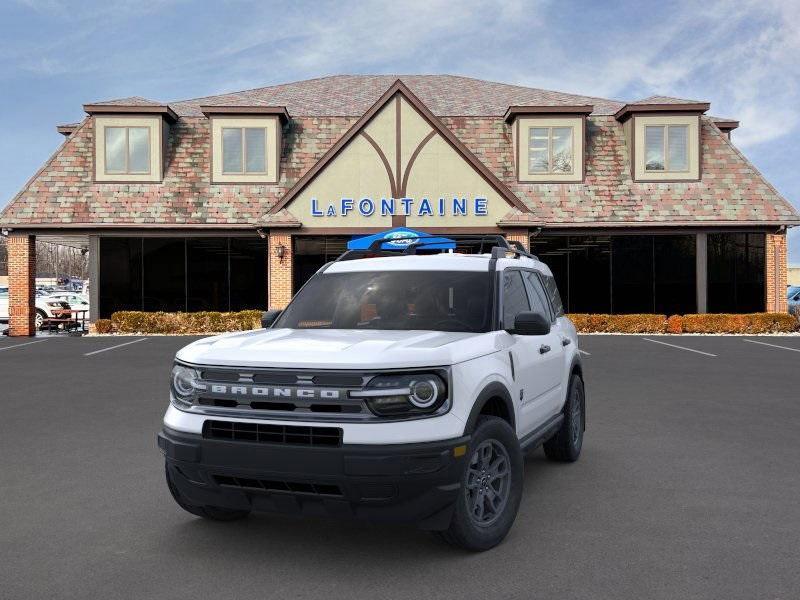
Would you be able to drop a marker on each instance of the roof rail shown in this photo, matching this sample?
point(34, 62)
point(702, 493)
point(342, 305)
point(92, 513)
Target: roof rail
point(496, 242)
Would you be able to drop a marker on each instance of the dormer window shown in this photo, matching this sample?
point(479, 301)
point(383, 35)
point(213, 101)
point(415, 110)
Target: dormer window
point(550, 150)
point(548, 142)
point(127, 150)
point(129, 140)
point(666, 148)
point(245, 143)
point(244, 150)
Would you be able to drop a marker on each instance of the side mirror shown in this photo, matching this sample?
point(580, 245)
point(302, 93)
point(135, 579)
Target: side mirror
point(531, 323)
point(269, 317)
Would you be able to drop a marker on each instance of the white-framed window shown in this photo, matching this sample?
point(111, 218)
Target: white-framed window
point(244, 150)
point(127, 150)
point(666, 148)
point(550, 150)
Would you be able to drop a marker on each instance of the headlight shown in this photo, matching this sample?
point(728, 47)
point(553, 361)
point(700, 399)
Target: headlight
point(185, 382)
point(405, 394)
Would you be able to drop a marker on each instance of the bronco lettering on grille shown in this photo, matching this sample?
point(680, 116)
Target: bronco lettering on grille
point(275, 392)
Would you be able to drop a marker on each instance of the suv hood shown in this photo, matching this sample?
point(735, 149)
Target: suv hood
point(338, 348)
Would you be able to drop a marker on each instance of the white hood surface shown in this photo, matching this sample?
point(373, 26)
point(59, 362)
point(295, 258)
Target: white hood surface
point(339, 348)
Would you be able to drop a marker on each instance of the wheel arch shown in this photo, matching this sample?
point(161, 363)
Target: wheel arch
point(496, 398)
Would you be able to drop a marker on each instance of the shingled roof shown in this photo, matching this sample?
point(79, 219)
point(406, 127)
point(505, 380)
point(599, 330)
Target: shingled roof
point(352, 95)
point(731, 191)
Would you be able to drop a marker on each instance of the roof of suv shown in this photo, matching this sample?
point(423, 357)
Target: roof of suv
point(444, 261)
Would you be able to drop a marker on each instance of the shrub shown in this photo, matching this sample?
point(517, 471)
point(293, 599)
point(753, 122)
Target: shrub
point(675, 324)
point(619, 323)
point(197, 322)
point(103, 326)
point(706, 323)
point(747, 323)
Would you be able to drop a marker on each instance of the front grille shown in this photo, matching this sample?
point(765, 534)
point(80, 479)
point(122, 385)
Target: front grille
point(287, 487)
point(273, 434)
point(298, 395)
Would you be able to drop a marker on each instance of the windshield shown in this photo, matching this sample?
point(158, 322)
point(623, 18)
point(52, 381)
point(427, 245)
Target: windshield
point(433, 300)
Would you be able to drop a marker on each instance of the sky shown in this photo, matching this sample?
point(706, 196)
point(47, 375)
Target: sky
point(739, 55)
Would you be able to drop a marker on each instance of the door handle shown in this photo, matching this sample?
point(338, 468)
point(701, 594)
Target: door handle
point(566, 341)
point(544, 349)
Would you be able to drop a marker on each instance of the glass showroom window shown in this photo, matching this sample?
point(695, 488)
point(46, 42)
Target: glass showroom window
point(550, 150)
point(666, 148)
point(127, 150)
point(244, 150)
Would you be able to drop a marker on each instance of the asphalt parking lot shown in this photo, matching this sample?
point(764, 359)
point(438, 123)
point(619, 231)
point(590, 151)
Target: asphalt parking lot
point(688, 487)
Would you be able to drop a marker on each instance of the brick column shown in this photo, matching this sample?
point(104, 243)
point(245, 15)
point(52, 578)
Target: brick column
point(280, 270)
point(21, 284)
point(521, 236)
point(775, 273)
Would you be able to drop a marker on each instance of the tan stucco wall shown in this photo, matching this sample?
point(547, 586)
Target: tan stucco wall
point(270, 123)
point(640, 122)
point(358, 172)
point(156, 147)
point(525, 125)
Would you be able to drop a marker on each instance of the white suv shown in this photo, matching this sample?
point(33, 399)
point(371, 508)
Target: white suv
point(393, 387)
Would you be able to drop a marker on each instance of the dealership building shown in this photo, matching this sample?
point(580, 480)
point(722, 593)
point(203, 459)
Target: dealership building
point(233, 201)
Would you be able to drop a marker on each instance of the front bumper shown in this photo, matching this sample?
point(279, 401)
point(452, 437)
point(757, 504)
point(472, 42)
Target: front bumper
point(409, 483)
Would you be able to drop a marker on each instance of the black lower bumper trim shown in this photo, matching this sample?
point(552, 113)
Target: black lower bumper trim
point(412, 483)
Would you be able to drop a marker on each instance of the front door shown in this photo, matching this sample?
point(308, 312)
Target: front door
point(537, 358)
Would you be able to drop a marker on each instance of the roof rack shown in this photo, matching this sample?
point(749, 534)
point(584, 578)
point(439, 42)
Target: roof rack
point(499, 245)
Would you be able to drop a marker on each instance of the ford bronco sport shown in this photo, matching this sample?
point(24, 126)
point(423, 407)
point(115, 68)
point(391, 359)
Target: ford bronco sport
point(395, 386)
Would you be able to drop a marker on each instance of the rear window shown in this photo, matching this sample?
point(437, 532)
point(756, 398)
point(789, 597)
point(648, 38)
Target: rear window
point(399, 300)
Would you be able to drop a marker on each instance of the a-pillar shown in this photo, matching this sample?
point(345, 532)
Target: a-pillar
point(21, 284)
point(279, 260)
point(776, 273)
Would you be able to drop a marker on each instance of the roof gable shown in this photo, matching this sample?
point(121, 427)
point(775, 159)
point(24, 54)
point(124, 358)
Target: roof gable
point(397, 172)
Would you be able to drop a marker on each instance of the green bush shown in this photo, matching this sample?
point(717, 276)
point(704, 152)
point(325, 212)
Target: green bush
point(198, 322)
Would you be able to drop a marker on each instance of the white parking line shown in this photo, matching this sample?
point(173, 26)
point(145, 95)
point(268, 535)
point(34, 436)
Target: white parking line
point(585, 353)
point(771, 345)
point(114, 347)
point(680, 347)
point(20, 345)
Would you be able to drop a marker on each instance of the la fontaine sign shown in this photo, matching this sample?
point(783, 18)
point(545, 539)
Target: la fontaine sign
point(389, 207)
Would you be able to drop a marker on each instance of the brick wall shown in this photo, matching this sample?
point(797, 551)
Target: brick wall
point(280, 270)
point(776, 273)
point(519, 235)
point(21, 284)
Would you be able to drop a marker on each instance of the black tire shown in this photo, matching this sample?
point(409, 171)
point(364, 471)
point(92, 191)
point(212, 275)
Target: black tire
point(566, 444)
point(215, 513)
point(39, 318)
point(466, 529)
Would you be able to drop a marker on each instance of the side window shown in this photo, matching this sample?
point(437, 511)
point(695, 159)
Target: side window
point(555, 297)
point(515, 299)
point(537, 295)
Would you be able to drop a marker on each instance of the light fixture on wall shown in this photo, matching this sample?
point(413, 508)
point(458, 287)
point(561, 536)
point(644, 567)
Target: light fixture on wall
point(280, 252)
point(261, 233)
point(4, 232)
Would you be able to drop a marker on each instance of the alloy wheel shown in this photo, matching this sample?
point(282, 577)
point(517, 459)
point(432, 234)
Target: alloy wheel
point(488, 482)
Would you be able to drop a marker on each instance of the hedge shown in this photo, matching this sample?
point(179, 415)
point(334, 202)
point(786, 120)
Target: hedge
point(197, 322)
point(707, 323)
point(214, 322)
